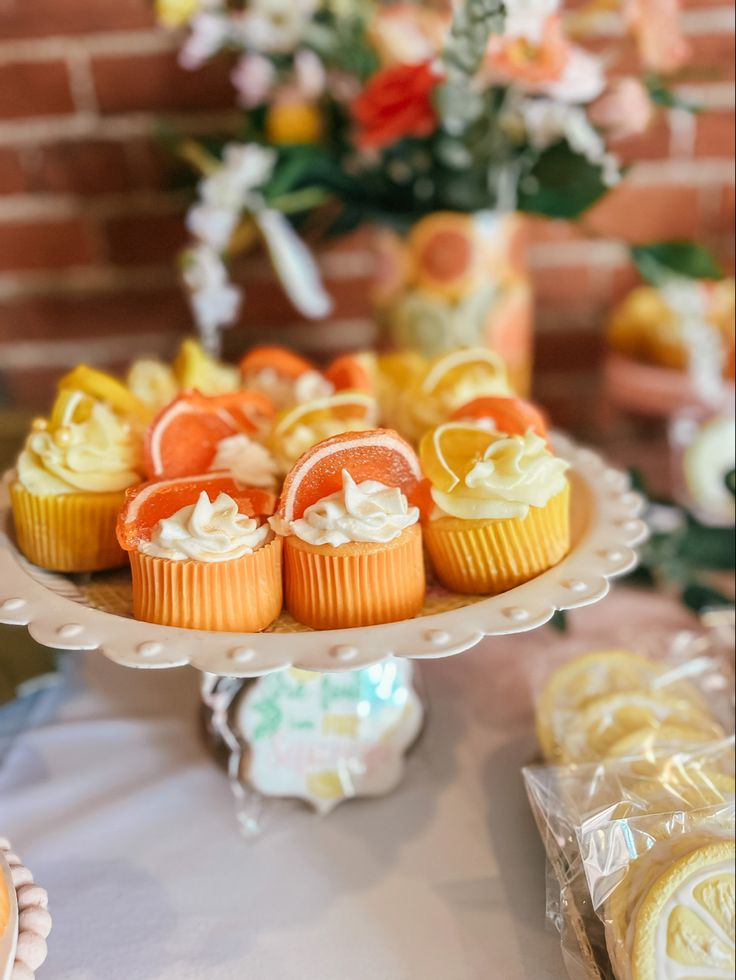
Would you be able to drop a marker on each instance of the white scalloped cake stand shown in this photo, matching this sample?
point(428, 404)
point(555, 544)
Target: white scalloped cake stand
point(605, 530)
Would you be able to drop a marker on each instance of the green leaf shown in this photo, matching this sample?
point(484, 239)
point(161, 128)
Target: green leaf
point(659, 261)
point(559, 621)
point(661, 95)
point(699, 597)
point(561, 184)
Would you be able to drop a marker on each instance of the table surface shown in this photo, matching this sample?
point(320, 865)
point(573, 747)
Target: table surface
point(109, 795)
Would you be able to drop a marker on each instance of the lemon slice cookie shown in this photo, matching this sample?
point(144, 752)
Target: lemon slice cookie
point(685, 924)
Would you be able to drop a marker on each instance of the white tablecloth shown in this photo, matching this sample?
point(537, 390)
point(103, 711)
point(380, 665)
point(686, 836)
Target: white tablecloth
point(111, 799)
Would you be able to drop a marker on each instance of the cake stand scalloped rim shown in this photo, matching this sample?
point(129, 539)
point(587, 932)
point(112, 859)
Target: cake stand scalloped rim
point(605, 550)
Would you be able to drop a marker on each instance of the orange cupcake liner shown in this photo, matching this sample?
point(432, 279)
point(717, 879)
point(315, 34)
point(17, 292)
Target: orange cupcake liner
point(68, 532)
point(357, 584)
point(489, 557)
point(243, 595)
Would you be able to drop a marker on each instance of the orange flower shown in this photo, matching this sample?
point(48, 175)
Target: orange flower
point(522, 60)
point(396, 102)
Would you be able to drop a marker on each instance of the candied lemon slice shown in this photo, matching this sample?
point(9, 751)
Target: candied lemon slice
point(153, 382)
point(580, 680)
point(344, 405)
point(605, 720)
point(195, 368)
point(684, 927)
point(70, 407)
point(449, 452)
point(479, 366)
point(106, 388)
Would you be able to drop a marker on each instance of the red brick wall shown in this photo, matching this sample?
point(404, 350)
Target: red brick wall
point(89, 223)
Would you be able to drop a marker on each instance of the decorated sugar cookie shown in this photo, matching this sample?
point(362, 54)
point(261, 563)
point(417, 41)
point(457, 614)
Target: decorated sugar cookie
point(685, 924)
point(325, 738)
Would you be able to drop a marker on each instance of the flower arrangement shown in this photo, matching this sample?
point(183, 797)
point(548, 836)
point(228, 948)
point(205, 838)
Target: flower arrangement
point(360, 110)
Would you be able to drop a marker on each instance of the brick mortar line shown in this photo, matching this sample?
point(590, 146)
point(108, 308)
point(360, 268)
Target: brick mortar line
point(694, 23)
point(84, 280)
point(58, 207)
point(81, 125)
point(41, 354)
point(111, 43)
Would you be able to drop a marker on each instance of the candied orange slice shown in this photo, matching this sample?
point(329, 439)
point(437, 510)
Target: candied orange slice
point(352, 371)
point(183, 438)
point(104, 387)
point(375, 454)
point(510, 415)
point(277, 359)
point(148, 503)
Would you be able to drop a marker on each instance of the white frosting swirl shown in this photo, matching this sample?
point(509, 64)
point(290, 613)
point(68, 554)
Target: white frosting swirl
point(515, 473)
point(368, 511)
point(247, 461)
point(207, 532)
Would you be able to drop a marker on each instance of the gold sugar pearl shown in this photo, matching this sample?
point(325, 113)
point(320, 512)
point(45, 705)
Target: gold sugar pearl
point(39, 425)
point(63, 436)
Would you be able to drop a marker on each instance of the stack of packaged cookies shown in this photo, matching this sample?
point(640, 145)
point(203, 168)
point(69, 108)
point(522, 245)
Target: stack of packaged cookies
point(636, 810)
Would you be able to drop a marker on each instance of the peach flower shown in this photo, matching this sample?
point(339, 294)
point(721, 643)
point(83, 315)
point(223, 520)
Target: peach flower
point(624, 110)
point(519, 59)
point(408, 34)
point(656, 26)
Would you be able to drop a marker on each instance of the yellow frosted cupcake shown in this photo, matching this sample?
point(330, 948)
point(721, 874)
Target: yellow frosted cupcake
point(70, 483)
point(352, 539)
point(298, 429)
point(501, 506)
point(201, 554)
point(446, 383)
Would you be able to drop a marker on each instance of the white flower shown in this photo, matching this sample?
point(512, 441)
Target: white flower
point(208, 34)
point(215, 302)
point(243, 171)
point(547, 122)
point(212, 225)
point(253, 77)
point(294, 264)
point(274, 26)
point(582, 79)
point(309, 74)
point(526, 18)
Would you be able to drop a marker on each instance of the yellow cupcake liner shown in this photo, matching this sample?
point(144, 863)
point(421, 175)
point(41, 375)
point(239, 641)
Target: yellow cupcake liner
point(491, 556)
point(357, 584)
point(240, 596)
point(68, 532)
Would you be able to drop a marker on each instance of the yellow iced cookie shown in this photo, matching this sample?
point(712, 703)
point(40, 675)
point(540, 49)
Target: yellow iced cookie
point(597, 673)
point(602, 722)
point(685, 925)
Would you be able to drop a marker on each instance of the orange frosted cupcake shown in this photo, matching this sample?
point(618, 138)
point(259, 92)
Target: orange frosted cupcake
point(196, 433)
point(286, 378)
point(349, 515)
point(70, 482)
point(501, 499)
point(202, 554)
